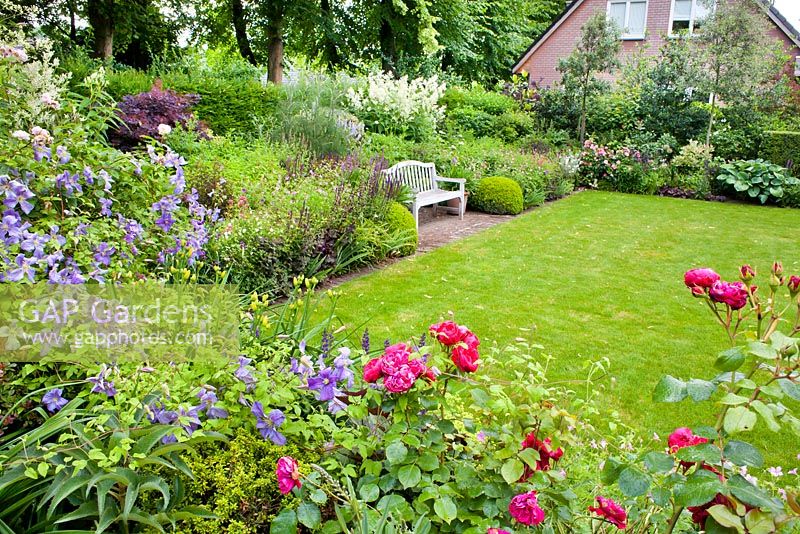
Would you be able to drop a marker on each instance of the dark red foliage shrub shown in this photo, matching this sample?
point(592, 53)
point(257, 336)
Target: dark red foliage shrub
point(140, 115)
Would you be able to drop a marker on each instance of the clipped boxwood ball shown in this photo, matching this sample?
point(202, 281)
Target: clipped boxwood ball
point(497, 194)
point(400, 221)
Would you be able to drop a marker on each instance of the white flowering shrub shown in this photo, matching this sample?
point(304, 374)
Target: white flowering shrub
point(31, 86)
point(399, 106)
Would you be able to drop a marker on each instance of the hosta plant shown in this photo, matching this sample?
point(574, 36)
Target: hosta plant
point(756, 179)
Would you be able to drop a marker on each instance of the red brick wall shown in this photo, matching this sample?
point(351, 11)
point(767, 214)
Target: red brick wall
point(541, 65)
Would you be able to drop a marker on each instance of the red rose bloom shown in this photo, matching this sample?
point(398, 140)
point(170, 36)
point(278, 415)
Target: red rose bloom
point(525, 509)
point(373, 370)
point(447, 333)
point(465, 358)
point(611, 512)
point(700, 278)
point(733, 294)
point(683, 437)
point(497, 531)
point(469, 339)
point(700, 513)
point(288, 474)
point(546, 454)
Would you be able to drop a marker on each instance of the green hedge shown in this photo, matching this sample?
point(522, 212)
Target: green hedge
point(226, 104)
point(497, 194)
point(780, 147)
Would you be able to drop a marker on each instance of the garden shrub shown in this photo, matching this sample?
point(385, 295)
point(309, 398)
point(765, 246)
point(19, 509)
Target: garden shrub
point(753, 179)
point(391, 147)
point(513, 125)
point(473, 120)
point(404, 107)
point(611, 116)
point(237, 483)
point(400, 222)
point(477, 98)
point(781, 148)
point(497, 194)
point(791, 197)
point(225, 104)
point(622, 169)
point(146, 115)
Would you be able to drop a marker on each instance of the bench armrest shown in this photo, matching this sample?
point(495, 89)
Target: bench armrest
point(459, 181)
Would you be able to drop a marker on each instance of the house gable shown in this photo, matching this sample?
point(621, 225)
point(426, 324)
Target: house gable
point(541, 59)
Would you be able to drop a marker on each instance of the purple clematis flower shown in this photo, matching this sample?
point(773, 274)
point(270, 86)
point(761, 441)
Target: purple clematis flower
point(69, 182)
point(19, 195)
point(24, 269)
point(105, 207)
point(101, 385)
point(324, 384)
point(103, 253)
point(268, 425)
point(244, 373)
point(53, 401)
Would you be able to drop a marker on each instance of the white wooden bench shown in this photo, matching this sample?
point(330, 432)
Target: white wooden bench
point(422, 179)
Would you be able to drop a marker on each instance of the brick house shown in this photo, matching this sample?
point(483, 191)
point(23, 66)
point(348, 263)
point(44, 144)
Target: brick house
point(645, 23)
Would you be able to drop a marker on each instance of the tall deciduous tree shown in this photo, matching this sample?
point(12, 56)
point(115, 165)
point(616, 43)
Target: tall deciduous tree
point(741, 60)
point(596, 53)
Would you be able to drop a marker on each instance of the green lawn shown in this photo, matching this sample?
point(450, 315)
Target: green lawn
point(596, 274)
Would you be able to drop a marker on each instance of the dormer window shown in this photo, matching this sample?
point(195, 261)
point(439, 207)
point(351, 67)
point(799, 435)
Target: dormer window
point(630, 16)
point(688, 16)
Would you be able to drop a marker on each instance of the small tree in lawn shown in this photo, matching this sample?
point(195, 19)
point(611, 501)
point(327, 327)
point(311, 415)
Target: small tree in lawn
point(743, 63)
point(595, 53)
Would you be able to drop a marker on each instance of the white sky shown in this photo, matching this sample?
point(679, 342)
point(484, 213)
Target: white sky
point(791, 10)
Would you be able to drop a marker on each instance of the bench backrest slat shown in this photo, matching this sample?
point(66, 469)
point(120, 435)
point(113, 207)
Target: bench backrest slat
point(418, 176)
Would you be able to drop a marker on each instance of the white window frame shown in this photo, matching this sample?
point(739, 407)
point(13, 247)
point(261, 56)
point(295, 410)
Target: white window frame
point(631, 36)
point(692, 17)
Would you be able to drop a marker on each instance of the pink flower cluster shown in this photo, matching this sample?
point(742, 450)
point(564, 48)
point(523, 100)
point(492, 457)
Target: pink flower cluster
point(398, 371)
point(611, 512)
point(288, 473)
point(705, 282)
point(460, 342)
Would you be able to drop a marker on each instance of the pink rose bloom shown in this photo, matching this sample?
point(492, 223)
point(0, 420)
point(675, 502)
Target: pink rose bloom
point(447, 333)
point(683, 437)
point(288, 473)
point(373, 370)
point(497, 531)
point(611, 512)
point(394, 357)
point(465, 358)
point(401, 380)
point(747, 273)
point(733, 294)
point(418, 367)
point(525, 509)
point(700, 278)
point(794, 284)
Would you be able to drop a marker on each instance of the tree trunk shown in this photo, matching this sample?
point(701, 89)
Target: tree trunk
point(711, 118)
point(330, 53)
point(73, 32)
point(275, 66)
point(387, 41)
point(240, 29)
point(582, 135)
point(101, 19)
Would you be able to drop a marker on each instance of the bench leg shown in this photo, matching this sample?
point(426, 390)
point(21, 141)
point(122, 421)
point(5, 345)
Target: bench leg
point(415, 212)
point(461, 208)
